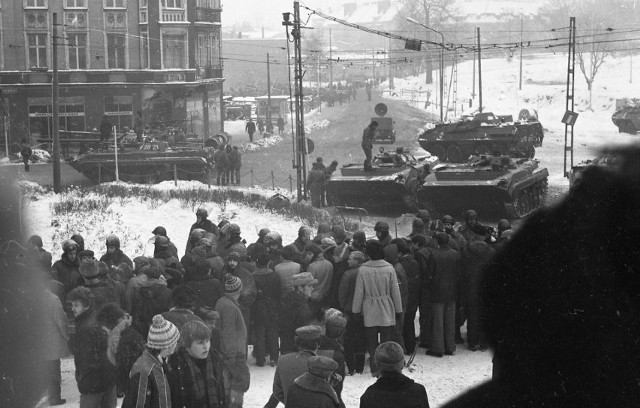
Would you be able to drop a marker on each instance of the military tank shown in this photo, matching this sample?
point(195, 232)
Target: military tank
point(151, 162)
point(482, 133)
point(627, 119)
point(492, 185)
point(394, 180)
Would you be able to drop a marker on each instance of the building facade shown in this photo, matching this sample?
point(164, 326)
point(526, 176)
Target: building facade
point(114, 58)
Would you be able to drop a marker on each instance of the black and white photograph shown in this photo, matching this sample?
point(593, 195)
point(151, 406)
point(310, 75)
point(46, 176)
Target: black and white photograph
point(319, 203)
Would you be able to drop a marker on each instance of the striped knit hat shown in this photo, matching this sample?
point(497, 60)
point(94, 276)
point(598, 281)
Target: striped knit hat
point(162, 333)
point(232, 284)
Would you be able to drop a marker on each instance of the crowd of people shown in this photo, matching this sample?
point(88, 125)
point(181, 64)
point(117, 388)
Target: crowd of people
point(167, 331)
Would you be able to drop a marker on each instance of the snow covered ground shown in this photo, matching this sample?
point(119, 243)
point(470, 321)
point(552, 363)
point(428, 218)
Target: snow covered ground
point(543, 90)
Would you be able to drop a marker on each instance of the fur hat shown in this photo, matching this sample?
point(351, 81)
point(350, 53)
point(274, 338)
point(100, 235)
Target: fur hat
point(140, 262)
point(423, 215)
point(322, 365)
point(162, 333)
point(86, 253)
point(381, 226)
point(334, 323)
point(390, 356)
point(232, 284)
point(358, 256)
point(89, 268)
point(69, 245)
point(304, 278)
point(338, 234)
point(310, 332)
point(153, 272)
point(235, 256)
point(327, 243)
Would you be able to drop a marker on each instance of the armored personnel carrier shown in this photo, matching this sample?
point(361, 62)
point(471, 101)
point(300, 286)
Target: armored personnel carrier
point(627, 119)
point(151, 162)
point(394, 180)
point(497, 185)
point(483, 133)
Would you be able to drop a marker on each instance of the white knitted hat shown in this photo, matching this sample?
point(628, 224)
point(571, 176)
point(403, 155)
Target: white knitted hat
point(162, 333)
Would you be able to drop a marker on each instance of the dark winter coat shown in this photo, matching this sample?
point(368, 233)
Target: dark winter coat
point(222, 160)
point(209, 290)
point(396, 390)
point(94, 373)
point(469, 234)
point(347, 288)
point(154, 392)
point(179, 317)
point(268, 293)
point(298, 248)
point(183, 385)
point(130, 348)
point(43, 257)
point(104, 293)
point(55, 328)
point(235, 159)
point(67, 273)
point(475, 258)
point(412, 269)
point(443, 272)
point(250, 127)
point(148, 301)
point(316, 178)
point(290, 366)
point(392, 256)
point(167, 260)
point(233, 244)
point(248, 293)
point(334, 349)
point(116, 258)
point(340, 262)
point(311, 391)
point(294, 313)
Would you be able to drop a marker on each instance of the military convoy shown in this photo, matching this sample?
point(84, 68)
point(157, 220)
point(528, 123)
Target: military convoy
point(483, 133)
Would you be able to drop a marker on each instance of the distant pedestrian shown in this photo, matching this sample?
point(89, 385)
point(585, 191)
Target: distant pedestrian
point(26, 153)
point(230, 173)
point(251, 129)
point(280, 125)
point(105, 130)
point(270, 128)
point(260, 125)
point(138, 126)
point(316, 184)
point(222, 163)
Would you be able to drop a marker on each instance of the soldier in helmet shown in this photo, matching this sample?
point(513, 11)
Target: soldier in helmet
point(202, 222)
point(160, 230)
point(114, 255)
point(66, 269)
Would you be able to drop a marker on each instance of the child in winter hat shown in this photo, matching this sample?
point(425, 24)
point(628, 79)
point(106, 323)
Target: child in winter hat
point(162, 334)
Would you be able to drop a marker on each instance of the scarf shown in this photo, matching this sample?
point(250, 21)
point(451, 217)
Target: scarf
point(204, 385)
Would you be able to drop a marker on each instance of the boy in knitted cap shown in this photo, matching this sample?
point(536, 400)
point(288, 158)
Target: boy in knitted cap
point(234, 342)
point(148, 385)
point(393, 389)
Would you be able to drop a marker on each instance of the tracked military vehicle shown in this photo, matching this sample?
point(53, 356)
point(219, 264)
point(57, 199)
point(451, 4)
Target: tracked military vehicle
point(496, 185)
point(483, 133)
point(151, 162)
point(627, 119)
point(394, 180)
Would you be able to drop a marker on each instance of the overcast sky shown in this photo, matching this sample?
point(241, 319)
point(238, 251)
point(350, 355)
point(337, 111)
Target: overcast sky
point(267, 13)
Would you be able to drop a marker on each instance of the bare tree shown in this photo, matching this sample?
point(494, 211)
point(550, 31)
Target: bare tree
point(431, 13)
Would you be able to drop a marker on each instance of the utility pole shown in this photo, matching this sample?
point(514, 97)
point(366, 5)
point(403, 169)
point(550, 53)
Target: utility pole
point(330, 60)
point(268, 91)
point(479, 72)
point(54, 100)
point(521, 30)
point(300, 162)
point(318, 87)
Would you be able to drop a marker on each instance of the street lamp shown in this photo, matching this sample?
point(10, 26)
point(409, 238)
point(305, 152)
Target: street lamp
point(414, 21)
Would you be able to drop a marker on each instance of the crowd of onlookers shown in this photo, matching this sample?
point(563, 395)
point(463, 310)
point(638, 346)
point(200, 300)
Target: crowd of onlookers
point(313, 308)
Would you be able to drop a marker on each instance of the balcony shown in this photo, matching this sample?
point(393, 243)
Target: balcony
point(174, 16)
point(207, 15)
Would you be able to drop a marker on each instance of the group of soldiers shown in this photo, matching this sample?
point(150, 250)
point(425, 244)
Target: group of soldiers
point(260, 126)
point(228, 162)
point(317, 180)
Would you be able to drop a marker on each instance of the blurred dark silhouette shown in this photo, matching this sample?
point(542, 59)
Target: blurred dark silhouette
point(562, 300)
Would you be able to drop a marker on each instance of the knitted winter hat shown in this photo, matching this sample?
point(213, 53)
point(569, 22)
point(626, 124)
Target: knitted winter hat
point(89, 269)
point(162, 333)
point(232, 284)
point(234, 255)
point(390, 356)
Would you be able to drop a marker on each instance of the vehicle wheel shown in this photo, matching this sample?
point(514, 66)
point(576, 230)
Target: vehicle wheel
point(483, 148)
point(438, 150)
point(454, 154)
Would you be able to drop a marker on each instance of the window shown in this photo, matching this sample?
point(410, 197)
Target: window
point(75, 4)
point(115, 3)
point(144, 55)
point(172, 4)
point(37, 45)
point(173, 50)
point(214, 50)
point(77, 51)
point(119, 109)
point(201, 53)
point(143, 3)
point(71, 115)
point(211, 4)
point(35, 3)
point(116, 46)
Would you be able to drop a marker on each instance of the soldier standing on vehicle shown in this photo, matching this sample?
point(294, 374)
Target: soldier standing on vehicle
point(251, 129)
point(367, 144)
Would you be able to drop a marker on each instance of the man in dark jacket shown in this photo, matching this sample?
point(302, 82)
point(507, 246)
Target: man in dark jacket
point(248, 292)
point(207, 288)
point(222, 164)
point(299, 245)
point(265, 309)
point(294, 310)
point(367, 144)
point(393, 389)
point(412, 272)
point(102, 291)
point(355, 343)
point(26, 152)
point(475, 258)
point(95, 374)
point(66, 269)
point(442, 277)
point(251, 129)
point(203, 222)
point(313, 389)
point(162, 231)
point(151, 298)
point(114, 255)
point(422, 254)
point(315, 183)
point(42, 255)
point(172, 269)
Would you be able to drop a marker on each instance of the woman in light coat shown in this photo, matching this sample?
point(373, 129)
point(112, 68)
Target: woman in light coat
point(377, 299)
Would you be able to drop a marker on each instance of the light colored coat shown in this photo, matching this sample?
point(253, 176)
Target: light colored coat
point(377, 294)
point(55, 328)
